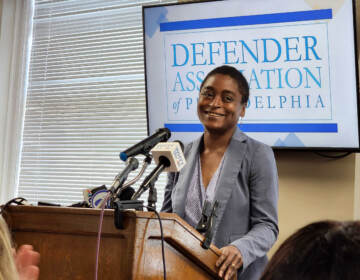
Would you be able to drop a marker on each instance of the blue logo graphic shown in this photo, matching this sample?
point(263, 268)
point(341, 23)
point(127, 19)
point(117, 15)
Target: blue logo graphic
point(290, 141)
point(151, 26)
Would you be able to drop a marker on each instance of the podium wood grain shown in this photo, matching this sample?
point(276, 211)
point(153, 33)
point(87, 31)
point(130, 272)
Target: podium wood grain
point(66, 240)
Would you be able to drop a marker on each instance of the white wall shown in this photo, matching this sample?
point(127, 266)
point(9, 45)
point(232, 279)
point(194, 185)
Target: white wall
point(16, 25)
point(7, 18)
point(313, 188)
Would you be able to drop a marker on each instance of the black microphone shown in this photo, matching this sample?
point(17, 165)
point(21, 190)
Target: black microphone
point(207, 221)
point(169, 157)
point(144, 147)
point(126, 193)
point(152, 177)
point(119, 180)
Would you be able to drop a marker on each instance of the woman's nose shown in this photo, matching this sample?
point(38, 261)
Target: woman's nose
point(216, 102)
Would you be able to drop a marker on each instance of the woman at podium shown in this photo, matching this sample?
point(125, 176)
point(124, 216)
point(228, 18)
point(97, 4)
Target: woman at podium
point(236, 171)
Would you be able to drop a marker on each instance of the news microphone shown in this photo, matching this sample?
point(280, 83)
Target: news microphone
point(169, 157)
point(132, 164)
point(144, 147)
point(94, 197)
point(172, 151)
point(126, 193)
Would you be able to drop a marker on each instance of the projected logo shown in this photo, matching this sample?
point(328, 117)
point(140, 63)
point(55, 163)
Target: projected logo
point(287, 67)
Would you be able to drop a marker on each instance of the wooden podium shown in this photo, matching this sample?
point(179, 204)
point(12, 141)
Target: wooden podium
point(66, 239)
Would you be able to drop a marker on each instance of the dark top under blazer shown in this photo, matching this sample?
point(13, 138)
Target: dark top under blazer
point(247, 192)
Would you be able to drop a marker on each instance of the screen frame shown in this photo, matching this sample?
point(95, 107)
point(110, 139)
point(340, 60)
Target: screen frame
point(356, 27)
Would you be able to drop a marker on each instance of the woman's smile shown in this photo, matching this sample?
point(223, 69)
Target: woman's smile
point(214, 114)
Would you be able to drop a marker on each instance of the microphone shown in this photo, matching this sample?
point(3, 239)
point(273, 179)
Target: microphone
point(126, 193)
point(207, 221)
point(169, 157)
point(94, 197)
point(144, 147)
point(132, 164)
point(172, 151)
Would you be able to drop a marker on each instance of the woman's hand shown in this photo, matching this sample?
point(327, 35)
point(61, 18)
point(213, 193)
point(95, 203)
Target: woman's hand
point(229, 262)
point(26, 261)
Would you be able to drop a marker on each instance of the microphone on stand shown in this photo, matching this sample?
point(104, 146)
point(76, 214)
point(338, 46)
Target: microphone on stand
point(126, 193)
point(169, 157)
point(132, 164)
point(144, 147)
point(94, 197)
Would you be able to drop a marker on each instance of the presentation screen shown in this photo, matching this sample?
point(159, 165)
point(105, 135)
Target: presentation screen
point(299, 59)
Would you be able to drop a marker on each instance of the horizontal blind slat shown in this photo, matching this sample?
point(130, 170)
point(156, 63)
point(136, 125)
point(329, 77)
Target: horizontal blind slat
point(85, 97)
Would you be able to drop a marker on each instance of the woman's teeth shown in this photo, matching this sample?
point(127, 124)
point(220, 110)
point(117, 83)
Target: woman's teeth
point(215, 114)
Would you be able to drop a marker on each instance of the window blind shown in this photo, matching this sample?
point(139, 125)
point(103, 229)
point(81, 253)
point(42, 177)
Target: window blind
point(85, 97)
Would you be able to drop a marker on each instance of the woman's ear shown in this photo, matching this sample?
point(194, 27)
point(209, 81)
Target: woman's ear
point(242, 112)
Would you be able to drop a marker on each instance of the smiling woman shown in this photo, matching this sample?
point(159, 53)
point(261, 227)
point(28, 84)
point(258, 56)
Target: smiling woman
point(220, 106)
point(228, 167)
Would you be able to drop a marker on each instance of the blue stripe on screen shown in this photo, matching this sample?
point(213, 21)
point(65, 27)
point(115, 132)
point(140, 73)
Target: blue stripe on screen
point(247, 20)
point(264, 127)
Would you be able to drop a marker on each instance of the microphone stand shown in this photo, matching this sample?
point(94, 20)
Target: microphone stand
point(152, 198)
point(147, 161)
point(149, 180)
point(122, 205)
point(120, 178)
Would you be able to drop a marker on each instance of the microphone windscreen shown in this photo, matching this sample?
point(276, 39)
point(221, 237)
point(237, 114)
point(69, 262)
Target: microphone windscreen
point(173, 152)
point(97, 199)
point(127, 193)
point(89, 193)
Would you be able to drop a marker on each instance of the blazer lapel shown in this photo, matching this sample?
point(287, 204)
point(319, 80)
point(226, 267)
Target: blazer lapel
point(234, 155)
point(181, 188)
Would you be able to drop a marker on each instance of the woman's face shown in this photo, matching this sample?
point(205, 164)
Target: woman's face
point(219, 106)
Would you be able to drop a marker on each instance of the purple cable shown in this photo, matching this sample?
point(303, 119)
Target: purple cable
point(104, 202)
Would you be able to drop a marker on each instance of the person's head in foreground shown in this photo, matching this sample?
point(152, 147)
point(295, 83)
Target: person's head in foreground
point(326, 250)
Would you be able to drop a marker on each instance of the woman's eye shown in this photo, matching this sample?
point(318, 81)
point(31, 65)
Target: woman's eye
point(207, 94)
point(228, 98)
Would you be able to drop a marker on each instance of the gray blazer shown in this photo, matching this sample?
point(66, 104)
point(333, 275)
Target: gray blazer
point(247, 192)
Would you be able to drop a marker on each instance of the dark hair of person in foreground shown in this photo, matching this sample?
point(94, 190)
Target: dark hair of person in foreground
point(326, 250)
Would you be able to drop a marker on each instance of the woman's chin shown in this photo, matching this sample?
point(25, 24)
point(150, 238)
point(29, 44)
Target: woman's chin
point(215, 129)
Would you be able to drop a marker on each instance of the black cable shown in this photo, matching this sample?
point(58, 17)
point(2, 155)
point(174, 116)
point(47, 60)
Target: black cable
point(16, 200)
point(162, 238)
point(331, 156)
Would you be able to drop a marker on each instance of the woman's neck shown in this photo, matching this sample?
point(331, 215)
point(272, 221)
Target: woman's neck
point(217, 142)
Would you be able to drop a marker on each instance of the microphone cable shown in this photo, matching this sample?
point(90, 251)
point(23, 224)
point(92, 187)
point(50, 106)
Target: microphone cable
point(102, 206)
point(342, 155)
point(16, 201)
point(104, 202)
point(162, 237)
